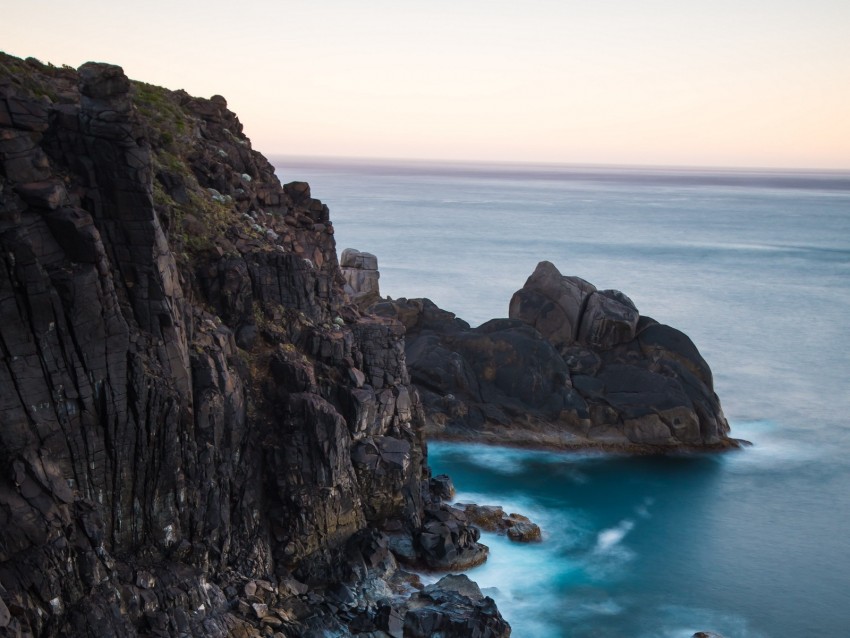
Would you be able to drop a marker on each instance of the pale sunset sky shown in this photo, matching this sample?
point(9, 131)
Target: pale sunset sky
point(753, 83)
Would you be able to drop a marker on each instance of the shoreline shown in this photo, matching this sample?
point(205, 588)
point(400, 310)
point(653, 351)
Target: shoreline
point(587, 446)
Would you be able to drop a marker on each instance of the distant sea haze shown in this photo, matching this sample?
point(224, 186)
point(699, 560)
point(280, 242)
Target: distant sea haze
point(754, 266)
point(681, 176)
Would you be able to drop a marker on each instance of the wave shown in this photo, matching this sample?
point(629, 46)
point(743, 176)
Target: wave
point(642, 510)
point(613, 536)
point(675, 621)
point(771, 448)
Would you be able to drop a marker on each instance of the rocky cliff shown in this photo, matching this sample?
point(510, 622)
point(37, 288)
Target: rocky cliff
point(199, 434)
point(572, 367)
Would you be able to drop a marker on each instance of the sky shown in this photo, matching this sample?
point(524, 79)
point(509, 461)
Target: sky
point(752, 83)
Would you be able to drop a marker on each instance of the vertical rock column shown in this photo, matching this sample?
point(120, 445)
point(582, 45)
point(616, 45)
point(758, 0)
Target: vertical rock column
point(361, 277)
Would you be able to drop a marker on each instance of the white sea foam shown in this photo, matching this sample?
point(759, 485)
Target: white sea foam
point(642, 510)
point(675, 621)
point(770, 448)
point(608, 538)
point(494, 459)
point(609, 556)
point(561, 529)
point(512, 461)
point(603, 608)
point(519, 592)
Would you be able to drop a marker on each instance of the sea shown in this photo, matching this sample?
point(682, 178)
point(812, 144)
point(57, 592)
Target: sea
point(754, 265)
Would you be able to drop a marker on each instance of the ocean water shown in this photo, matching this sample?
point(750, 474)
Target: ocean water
point(755, 267)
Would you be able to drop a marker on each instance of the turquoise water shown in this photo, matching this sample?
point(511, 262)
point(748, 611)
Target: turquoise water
point(755, 267)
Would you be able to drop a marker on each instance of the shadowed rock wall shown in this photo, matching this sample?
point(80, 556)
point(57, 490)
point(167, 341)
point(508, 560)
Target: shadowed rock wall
point(199, 435)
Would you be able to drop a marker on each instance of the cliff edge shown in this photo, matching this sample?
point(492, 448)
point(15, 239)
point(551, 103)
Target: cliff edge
point(199, 434)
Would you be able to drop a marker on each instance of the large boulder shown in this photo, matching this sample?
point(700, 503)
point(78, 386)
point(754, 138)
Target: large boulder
point(568, 310)
point(454, 607)
point(552, 304)
point(448, 542)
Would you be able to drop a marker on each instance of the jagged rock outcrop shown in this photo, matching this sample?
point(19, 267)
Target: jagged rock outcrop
point(570, 310)
point(199, 435)
point(361, 274)
point(493, 518)
point(453, 606)
point(573, 367)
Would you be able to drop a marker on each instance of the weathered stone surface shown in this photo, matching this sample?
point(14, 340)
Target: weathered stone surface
point(47, 194)
point(493, 518)
point(455, 608)
point(360, 270)
point(5, 616)
point(609, 318)
point(352, 258)
point(573, 367)
point(448, 542)
point(381, 464)
point(552, 304)
point(459, 583)
point(441, 487)
point(200, 436)
point(524, 532)
point(22, 158)
point(569, 310)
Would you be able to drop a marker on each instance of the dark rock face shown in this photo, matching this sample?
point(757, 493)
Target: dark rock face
point(568, 310)
point(453, 607)
point(199, 435)
point(493, 518)
point(572, 367)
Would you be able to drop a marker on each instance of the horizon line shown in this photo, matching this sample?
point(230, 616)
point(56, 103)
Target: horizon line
point(383, 160)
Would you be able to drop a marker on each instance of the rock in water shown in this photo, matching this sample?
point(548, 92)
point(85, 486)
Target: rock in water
point(572, 367)
point(199, 436)
point(493, 518)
